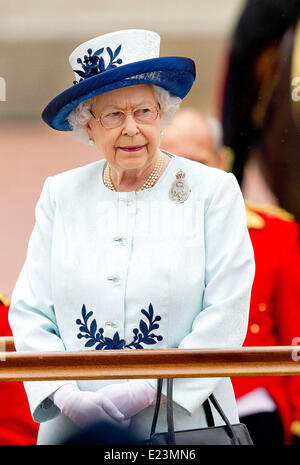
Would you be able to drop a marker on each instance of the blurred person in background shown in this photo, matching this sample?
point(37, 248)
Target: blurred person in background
point(269, 406)
point(16, 424)
point(104, 234)
point(259, 98)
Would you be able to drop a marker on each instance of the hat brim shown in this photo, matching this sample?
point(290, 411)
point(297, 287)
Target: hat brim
point(175, 74)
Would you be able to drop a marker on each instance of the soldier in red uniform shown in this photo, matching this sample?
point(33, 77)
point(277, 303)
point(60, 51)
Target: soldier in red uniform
point(16, 424)
point(274, 320)
point(269, 406)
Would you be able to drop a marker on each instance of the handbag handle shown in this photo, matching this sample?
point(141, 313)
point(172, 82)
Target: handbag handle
point(206, 407)
point(170, 419)
point(157, 406)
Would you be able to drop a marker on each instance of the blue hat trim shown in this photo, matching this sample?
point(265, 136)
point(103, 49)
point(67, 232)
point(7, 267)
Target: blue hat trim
point(175, 74)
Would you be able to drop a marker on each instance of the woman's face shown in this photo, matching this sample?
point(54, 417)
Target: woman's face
point(132, 145)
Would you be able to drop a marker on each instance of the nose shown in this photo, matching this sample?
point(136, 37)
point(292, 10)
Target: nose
point(130, 127)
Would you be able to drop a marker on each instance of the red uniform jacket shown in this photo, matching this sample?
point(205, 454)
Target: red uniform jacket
point(16, 424)
point(275, 304)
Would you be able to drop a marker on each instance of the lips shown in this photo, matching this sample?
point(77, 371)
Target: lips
point(132, 148)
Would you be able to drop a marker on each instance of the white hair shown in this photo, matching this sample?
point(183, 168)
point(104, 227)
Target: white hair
point(80, 115)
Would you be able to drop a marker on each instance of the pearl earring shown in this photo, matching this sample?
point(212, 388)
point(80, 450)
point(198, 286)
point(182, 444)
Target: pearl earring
point(91, 142)
point(161, 133)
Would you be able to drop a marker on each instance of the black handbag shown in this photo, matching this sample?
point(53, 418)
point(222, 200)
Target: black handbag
point(227, 434)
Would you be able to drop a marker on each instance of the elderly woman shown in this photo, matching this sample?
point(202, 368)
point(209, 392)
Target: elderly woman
point(141, 249)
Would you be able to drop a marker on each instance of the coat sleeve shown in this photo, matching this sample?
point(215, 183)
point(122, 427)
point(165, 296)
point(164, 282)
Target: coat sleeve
point(31, 315)
point(229, 272)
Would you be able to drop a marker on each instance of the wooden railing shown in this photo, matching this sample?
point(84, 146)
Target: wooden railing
point(7, 344)
point(121, 364)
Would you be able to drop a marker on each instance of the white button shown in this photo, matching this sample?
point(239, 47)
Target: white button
point(114, 278)
point(112, 324)
point(121, 240)
point(128, 197)
point(123, 196)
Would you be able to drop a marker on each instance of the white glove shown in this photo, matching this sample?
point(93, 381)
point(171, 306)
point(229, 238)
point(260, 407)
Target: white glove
point(86, 408)
point(131, 397)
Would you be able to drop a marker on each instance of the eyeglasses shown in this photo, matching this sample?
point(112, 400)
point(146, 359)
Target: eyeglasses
point(114, 119)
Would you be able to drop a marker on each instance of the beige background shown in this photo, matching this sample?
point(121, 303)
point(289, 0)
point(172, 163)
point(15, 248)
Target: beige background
point(36, 38)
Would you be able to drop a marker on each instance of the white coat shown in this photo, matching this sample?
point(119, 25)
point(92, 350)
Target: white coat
point(125, 270)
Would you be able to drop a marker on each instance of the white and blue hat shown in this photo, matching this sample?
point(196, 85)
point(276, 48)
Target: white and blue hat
point(115, 60)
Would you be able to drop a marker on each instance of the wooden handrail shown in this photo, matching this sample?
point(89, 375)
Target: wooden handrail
point(7, 344)
point(174, 363)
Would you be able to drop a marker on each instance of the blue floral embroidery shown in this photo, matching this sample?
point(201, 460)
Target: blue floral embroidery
point(142, 335)
point(93, 63)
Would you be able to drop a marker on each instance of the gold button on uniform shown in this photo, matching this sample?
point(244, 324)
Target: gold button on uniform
point(262, 307)
point(255, 328)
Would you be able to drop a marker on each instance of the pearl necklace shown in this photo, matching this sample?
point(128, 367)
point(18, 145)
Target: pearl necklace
point(151, 180)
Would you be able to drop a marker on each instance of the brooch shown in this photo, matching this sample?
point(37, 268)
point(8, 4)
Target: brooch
point(180, 190)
